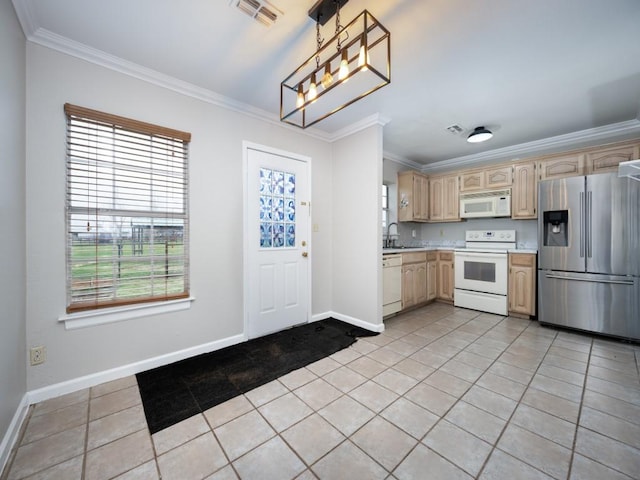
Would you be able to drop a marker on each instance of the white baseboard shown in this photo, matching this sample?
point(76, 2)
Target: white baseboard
point(320, 316)
point(11, 435)
point(73, 385)
point(351, 320)
point(51, 391)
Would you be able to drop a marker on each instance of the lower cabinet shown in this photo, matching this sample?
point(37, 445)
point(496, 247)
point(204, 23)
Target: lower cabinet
point(445, 275)
point(432, 276)
point(522, 283)
point(414, 279)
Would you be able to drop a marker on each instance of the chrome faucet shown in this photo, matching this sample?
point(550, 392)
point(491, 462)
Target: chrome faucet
point(388, 243)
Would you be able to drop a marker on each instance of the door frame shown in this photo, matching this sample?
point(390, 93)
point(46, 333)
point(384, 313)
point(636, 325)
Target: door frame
point(246, 146)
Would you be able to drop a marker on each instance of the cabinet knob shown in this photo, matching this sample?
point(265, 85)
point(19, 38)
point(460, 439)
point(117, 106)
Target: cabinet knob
point(305, 254)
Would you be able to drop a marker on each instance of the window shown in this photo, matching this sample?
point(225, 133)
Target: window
point(277, 206)
point(126, 211)
point(385, 205)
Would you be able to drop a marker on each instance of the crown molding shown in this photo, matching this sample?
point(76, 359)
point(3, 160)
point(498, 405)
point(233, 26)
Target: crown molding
point(583, 138)
point(401, 160)
point(64, 45)
point(26, 17)
point(41, 36)
point(375, 119)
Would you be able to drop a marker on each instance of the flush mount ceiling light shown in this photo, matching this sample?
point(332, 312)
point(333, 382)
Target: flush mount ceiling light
point(479, 134)
point(355, 62)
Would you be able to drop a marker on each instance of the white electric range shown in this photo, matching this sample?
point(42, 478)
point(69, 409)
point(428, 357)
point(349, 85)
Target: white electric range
point(481, 270)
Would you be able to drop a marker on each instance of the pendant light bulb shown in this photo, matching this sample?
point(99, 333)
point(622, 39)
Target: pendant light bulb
point(300, 97)
point(313, 88)
point(327, 78)
point(363, 56)
point(343, 73)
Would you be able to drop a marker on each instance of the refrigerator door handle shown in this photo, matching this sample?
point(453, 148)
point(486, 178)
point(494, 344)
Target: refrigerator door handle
point(589, 224)
point(582, 219)
point(617, 282)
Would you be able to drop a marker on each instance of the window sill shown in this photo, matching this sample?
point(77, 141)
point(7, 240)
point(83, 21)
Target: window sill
point(111, 315)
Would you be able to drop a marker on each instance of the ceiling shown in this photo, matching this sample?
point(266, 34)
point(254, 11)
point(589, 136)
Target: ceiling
point(527, 70)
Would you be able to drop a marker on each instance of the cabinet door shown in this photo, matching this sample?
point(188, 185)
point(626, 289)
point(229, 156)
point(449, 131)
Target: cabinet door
point(498, 177)
point(607, 159)
point(417, 198)
point(470, 181)
point(413, 197)
point(524, 193)
point(421, 196)
point(405, 197)
point(420, 285)
point(522, 284)
point(450, 286)
point(451, 200)
point(435, 199)
point(562, 166)
point(408, 279)
point(432, 280)
point(445, 280)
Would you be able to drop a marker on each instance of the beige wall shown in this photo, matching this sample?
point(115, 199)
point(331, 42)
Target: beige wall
point(12, 227)
point(357, 277)
point(216, 205)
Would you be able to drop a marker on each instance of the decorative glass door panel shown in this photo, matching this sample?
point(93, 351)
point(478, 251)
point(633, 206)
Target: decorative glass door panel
point(277, 209)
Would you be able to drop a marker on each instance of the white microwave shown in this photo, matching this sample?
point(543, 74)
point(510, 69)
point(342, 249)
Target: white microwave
point(496, 203)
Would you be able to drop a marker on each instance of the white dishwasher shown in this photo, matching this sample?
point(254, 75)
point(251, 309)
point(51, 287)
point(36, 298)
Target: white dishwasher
point(392, 284)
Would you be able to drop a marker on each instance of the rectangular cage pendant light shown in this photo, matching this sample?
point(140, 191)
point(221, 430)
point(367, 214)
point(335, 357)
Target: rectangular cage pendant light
point(348, 67)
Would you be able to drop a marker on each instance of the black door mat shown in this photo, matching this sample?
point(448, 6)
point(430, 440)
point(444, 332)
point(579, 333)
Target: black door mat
point(175, 392)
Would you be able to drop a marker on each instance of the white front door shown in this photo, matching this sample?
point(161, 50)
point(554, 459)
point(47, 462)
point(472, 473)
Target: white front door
point(277, 268)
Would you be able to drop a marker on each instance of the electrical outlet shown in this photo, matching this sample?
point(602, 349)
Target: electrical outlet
point(413, 233)
point(441, 232)
point(37, 355)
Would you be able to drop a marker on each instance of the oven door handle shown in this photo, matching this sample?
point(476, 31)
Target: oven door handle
point(479, 255)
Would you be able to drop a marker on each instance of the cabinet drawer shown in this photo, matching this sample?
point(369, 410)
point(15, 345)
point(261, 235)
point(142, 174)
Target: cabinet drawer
point(432, 256)
point(414, 257)
point(522, 259)
point(445, 256)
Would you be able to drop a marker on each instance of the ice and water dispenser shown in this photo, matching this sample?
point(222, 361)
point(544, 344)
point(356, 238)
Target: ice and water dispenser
point(556, 223)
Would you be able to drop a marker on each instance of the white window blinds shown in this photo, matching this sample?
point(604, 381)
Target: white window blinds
point(127, 211)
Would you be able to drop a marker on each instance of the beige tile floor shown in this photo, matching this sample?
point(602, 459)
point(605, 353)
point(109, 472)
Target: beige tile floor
point(444, 393)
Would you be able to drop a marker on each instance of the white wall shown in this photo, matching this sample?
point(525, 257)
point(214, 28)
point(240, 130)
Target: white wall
point(12, 210)
point(357, 277)
point(216, 216)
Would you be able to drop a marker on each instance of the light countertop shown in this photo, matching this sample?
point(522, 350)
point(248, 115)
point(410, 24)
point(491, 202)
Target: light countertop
point(387, 251)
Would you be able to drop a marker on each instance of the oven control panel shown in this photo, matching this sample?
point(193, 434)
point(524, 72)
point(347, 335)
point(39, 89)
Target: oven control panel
point(490, 236)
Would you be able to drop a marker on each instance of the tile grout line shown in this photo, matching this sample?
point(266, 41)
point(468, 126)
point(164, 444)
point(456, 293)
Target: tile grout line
point(508, 421)
point(494, 447)
point(575, 432)
point(215, 436)
point(553, 340)
point(86, 438)
point(459, 397)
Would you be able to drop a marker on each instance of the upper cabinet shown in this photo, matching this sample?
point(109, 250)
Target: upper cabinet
point(413, 197)
point(423, 198)
point(603, 160)
point(524, 193)
point(487, 179)
point(560, 166)
point(444, 201)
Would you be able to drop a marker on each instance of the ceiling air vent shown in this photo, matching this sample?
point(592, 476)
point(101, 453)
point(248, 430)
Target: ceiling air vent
point(455, 129)
point(260, 10)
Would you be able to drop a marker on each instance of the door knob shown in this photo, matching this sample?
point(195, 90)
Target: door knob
point(305, 254)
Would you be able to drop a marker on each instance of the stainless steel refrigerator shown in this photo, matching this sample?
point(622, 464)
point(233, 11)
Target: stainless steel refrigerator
point(589, 255)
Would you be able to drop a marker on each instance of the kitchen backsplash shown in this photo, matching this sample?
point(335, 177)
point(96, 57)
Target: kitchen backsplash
point(452, 234)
